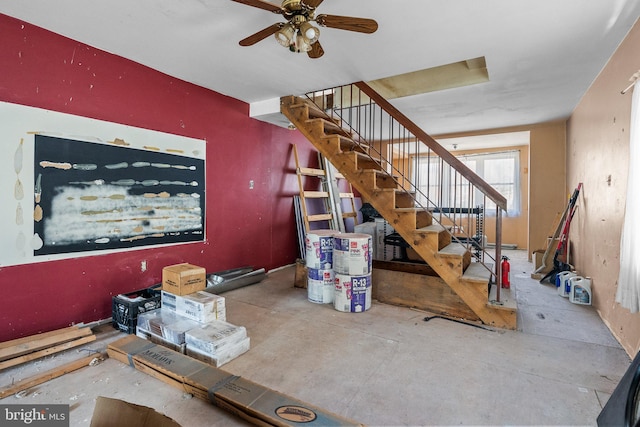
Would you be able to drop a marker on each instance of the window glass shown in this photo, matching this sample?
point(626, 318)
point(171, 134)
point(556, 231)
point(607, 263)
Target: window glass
point(446, 188)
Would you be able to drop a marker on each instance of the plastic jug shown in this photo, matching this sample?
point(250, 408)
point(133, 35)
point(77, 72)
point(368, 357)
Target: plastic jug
point(580, 292)
point(563, 289)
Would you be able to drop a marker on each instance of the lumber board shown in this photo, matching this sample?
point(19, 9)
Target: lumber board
point(45, 352)
point(23, 340)
point(37, 342)
point(48, 375)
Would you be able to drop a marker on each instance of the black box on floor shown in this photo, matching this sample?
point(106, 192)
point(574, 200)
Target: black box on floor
point(126, 307)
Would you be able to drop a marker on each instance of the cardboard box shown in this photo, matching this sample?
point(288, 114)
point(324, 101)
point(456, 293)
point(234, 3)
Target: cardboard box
point(251, 401)
point(113, 412)
point(183, 279)
point(125, 308)
point(200, 306)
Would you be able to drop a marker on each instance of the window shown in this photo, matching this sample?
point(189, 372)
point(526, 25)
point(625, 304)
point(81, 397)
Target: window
point(446, 188)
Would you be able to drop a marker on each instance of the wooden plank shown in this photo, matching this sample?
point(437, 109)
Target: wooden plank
point(311, 171)
point(316, 194)
point(37, 343)
point(320, 217)
point(301, 275)
point(30, 338)
point(48, 375)
point(45, 352)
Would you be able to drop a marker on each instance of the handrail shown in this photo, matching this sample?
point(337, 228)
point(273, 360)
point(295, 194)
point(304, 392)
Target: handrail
point(445, 154)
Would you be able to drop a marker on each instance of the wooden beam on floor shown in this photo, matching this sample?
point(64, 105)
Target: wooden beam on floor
point(20, 346)
point(48, 375)
point(46, 351)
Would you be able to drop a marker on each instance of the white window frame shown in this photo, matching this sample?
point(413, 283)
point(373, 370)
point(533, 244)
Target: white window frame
point(476, 162)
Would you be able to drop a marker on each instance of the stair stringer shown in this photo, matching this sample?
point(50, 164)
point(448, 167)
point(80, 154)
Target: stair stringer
point(448, 260)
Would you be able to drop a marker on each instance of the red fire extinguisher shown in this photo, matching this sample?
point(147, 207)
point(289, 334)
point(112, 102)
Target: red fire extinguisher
point(506, 273)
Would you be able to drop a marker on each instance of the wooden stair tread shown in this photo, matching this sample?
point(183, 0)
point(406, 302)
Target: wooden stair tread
point(476, 272)
point(331, 127)
point(403, 210)
point(453, 249)
point(433, 228)
point(507, 299)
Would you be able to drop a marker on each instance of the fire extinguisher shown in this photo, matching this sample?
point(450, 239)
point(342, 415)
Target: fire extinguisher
point(506, 273)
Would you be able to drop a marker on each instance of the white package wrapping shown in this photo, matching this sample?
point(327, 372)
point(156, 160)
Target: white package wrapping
point(166, 324)
point(223, 356)
point(319, 249)
point(320, 286)
point(352, 254)
point(352, 293)
point(213, 337)
point(200, 306)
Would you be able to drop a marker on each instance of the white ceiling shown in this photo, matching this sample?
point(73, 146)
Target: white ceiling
point(541, 55)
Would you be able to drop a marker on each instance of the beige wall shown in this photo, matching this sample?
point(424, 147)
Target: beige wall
point(597, 156)
point(547, 182)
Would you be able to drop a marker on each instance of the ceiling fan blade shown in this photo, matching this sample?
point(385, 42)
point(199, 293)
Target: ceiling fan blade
point(316, 51)
point(260, 35)
point(262, 5)
point(312, 3)
point(361, 25)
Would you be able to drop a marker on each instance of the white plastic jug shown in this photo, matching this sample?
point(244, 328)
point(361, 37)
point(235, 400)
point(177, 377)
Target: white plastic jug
point(563, 289)
point(580, 292)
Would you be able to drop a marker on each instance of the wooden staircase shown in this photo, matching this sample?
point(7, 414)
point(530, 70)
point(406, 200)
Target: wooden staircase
point(431, 241)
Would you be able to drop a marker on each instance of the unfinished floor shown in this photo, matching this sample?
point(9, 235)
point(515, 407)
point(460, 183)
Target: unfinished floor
point(384, 367)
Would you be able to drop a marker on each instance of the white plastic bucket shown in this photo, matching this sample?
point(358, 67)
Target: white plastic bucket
point(352, 293)
point(352, 254)
point(320, 286)
point(580, 292)
point(564, 288)
point(319, 249)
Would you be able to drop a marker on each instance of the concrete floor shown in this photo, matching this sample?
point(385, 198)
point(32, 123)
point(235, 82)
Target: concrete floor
point(384, 367)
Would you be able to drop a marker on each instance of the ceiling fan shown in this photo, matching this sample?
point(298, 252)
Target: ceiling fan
point(298, 34)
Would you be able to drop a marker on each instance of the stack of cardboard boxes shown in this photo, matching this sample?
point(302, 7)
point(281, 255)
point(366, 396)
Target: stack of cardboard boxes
point(192, 321)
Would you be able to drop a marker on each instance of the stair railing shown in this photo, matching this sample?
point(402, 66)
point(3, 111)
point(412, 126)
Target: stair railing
point(435, 179)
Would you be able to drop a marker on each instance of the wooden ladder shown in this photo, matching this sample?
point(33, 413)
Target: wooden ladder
point(330, 195)
point(333, 178)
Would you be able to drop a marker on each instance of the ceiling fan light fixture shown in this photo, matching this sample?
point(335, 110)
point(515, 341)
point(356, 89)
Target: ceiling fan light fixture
point(301, 44)
point(284, 35)
point(309, 32)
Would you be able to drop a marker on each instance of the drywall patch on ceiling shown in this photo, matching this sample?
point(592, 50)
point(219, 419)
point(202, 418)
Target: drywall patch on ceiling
point(457, 74)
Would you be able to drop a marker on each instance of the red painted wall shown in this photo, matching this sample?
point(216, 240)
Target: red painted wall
point(243, 227)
